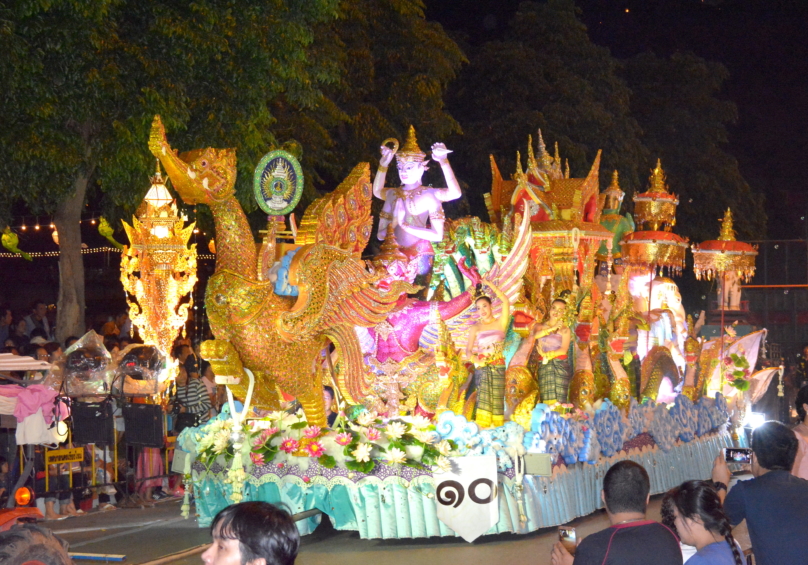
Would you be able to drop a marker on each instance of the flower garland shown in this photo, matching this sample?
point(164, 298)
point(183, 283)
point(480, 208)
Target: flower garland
point(737, 371)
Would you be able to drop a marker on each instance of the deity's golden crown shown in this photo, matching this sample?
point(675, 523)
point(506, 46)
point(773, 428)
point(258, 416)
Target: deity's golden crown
point(410, 152)
point(614, 189)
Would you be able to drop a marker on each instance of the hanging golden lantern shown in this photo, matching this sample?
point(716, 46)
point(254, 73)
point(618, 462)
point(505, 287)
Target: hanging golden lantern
point(158, 268)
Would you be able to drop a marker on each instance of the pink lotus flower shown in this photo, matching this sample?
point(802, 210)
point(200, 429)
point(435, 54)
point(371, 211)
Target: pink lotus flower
point(315, 449)
point(312, 432)
point(257, 458)
point(289, 445)
point(344, 438)
point(280, 465)
point(306, 479)
point(271, 431)
point(373, 434)
point(728, 361)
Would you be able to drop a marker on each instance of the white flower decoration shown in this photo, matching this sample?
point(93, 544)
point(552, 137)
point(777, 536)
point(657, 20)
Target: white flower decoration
point(395, 456)
point(420, 422)
point(221, 441)
point(366, 418)
point(426, 436)
point(362, 452)
point(444, 447)
point(395, 430)
point(276, 415)
point(443, 464)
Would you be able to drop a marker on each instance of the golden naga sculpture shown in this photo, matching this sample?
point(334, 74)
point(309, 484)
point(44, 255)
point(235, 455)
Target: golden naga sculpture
point(279, 338)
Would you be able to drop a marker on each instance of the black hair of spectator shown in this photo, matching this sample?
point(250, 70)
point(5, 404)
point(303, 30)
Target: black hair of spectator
point(698, 500)
point(262, 529)
point(37, 302)
point(30, 349)
point(330, 391)
point(667, 515)
point(5, 307)
point(52, 347)
point(775, 446)
point(9, 349)
point(38, 332)
point(3, 460)
point(626, 487)
point(70, 341)
point(801, 401)
point(176, 351)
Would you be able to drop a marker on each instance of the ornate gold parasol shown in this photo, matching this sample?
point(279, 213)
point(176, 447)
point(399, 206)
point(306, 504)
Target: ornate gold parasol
point(725, 254)
point(654, 244)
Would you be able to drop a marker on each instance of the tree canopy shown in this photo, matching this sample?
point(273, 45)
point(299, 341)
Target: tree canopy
point(547, 74)
point(684, 123)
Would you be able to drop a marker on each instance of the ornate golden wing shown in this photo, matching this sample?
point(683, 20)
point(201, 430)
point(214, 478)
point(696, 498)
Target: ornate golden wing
point(341, 218)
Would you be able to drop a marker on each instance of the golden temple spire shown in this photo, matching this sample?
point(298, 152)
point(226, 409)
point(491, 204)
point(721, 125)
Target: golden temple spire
point(390, 250)
point(410, 152)
point(543, 155)
point(566, 168)
point(727, 233)
point(614, 190)
point(531, 157)
point(657, 180)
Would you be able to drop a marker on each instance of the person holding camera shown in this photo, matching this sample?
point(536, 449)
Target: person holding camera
point(774, 502)
point(631, 539)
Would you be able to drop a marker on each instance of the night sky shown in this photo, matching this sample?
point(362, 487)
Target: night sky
point(763, 44)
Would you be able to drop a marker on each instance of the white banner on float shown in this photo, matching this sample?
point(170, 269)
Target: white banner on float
point(468, 496)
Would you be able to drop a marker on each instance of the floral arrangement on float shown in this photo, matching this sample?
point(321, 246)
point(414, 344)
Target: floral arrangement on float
point(358, 445)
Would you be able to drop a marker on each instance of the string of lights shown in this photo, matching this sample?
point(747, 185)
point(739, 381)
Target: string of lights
point(35, 254)
point(36, 225)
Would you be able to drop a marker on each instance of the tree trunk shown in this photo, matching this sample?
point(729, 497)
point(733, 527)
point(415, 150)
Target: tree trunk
point(70, 306)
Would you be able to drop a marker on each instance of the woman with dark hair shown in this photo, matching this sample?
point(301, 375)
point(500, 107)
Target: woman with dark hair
point(800, 468)
point(668, 518)
point(549, 356)
point(700, 521)
point(485, 349)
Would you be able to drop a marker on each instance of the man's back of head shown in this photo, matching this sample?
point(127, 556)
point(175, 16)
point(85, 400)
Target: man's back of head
point(626, 487)
point(259, 533)
point(775, 447)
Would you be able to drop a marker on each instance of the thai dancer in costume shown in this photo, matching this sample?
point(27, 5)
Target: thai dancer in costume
point(551, 347)
point(484, 348)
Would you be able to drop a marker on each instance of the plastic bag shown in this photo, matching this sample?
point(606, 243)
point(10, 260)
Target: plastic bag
point(141, 369)
point(85, 369)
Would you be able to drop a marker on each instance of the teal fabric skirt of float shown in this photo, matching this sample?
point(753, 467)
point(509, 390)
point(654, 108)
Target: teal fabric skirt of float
point(390, 509)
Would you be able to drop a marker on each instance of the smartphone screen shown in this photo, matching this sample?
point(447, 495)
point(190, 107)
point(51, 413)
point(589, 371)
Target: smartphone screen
point(568, 539)
point(738, 455)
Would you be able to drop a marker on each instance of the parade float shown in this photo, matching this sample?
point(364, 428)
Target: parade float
point(486, 374)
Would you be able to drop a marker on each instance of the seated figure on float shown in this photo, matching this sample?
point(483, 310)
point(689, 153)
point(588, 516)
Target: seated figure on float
point(413, 211)
point(549, 357)
point(485, 348)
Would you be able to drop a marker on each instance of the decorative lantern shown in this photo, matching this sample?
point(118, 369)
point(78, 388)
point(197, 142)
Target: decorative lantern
point(158, 268)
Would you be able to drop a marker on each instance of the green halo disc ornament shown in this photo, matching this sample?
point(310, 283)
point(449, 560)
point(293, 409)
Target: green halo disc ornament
point(278, 183)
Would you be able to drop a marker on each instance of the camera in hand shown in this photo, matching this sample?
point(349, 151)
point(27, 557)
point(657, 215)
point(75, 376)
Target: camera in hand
point(738, 455)
point(568, 538)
